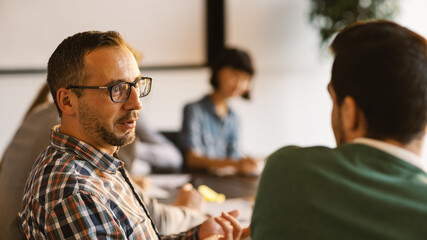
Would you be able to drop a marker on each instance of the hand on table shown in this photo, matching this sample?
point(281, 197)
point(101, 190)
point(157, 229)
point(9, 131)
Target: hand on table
point(250, 166)
point(224, 227)
point(190, 197)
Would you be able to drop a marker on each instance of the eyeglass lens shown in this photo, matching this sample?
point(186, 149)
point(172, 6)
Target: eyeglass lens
point(121, 91)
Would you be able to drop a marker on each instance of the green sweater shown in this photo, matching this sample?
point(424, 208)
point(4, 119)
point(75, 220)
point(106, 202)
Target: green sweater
point(351, 192)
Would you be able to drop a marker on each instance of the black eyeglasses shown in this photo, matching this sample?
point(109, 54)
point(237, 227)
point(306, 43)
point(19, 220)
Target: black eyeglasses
point(120, 92)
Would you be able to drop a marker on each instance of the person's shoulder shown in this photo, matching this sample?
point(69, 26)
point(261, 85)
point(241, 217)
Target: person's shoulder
point(46, 112)
point(295, 155)
point(34, 129)
point(59, 175)
point(198, 102)
point(63, 166)
point(54, 161)
point(51, 164)
point(197, 106)
point(232, 113)
point(293, 150)
point(289, 163)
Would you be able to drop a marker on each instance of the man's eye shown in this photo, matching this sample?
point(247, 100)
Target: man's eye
point(116, 89)
point(119, 89)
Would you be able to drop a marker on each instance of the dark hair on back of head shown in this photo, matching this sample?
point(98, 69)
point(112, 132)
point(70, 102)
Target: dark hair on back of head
point(235, 58)
point(66, 65)
point(383, 67)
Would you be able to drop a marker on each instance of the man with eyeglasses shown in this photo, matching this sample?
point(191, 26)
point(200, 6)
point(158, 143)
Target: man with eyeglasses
point(150, 149)
point(77, 188)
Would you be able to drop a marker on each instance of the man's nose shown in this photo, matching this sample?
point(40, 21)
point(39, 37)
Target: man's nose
point(134, 102)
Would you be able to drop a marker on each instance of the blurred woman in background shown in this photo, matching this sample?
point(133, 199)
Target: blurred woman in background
point(210, 126)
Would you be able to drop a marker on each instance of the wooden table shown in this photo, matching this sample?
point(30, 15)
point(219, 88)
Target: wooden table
point(232, 186)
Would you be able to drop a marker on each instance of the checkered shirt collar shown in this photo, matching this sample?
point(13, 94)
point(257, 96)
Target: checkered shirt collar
point(95, 157)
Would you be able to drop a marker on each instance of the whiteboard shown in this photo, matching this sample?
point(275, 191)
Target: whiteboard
point(167, 32)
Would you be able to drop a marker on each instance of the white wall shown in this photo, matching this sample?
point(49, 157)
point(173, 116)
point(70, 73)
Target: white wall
point(290, 104)
point(31, 30)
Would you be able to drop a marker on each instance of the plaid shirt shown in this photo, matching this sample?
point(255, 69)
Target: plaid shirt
point(75, 191)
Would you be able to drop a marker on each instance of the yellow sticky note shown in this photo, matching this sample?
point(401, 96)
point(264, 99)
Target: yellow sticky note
point(210, 195)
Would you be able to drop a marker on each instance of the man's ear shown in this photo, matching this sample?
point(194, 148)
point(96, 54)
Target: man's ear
point(66, 101)
point(353, 121)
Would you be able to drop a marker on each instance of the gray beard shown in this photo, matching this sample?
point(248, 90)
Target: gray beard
point(90, 123)
point(113, 140)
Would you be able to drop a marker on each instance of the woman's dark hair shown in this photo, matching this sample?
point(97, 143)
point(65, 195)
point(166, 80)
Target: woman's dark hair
point(234, 58)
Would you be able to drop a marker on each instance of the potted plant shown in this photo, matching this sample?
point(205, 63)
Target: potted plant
point(330, 16)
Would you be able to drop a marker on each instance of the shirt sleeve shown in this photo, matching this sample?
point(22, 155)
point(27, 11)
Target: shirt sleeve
point(168, 218)
point(82, 216)
point(191, 234)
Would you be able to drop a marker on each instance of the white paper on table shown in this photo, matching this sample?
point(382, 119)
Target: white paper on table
point(243, 205)
point(169, 180)
point(157, 192)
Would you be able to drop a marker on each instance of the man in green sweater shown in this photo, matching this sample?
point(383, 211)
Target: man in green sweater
point(374, 184)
